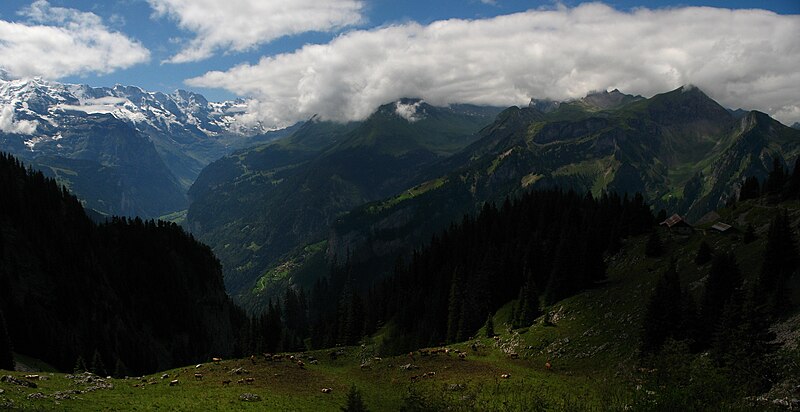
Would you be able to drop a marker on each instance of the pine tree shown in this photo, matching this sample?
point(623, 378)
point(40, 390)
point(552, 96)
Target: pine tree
point(80, 365)
point(454, 305)
point(749, 234)
point(354, 401)
point(120, 371)
point(654, 247)
point(723, 279)
point(98, 367)
point(776, 179)
point(750, 189)
point(528, 301)
point(779, 264)
point(704, 254)
point(792, 188)
point(6, 354)
point(662, 319)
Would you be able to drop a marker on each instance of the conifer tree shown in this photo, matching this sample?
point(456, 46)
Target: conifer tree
point(354, 401)
point(792, 188)
point(779, 263)
point(723, 279)
point(750, 189)
point(98, 367)
point(454, 305)
point(776, 179)
point(654, 247)
point(662, 319)
point(80, 365)
point(749, 234)
point(528, 301)
point(704, 254)
point(120, 371)
point(6, 354)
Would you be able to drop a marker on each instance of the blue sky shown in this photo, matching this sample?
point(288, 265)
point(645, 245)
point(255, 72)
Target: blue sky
point(146, 38)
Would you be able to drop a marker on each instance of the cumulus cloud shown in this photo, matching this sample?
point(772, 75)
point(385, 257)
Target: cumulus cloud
point(408, 111)
point(241, 24)
point(56, 42)
point(9, 125)
point(742, 58)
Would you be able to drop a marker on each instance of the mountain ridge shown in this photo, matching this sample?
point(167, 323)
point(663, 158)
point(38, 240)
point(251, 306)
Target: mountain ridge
point(49, 124)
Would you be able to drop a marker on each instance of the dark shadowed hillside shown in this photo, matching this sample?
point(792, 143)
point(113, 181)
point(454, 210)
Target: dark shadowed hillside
point(141, 295)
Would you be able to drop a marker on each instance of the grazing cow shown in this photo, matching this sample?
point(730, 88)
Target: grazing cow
point(216, 360)
point(198, 376)
point(165, 376)
point(301, 364)
point(240, 381)
point(226, 382)
point(249, 380)
point(428, 374)
point(173, 382)
point(198, 366)
point(327, 390)
point(414, 378)
point(462, 356)
point(505, 375)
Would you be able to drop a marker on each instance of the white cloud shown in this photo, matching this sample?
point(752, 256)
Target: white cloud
point(238, 25)
point(57, 42)
point(742, 58)
point(9, 125)
point(409, 111)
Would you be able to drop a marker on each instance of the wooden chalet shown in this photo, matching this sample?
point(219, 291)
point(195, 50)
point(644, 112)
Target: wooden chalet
point(677, 225)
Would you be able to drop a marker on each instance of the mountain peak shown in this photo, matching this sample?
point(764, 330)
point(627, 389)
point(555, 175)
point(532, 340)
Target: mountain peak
point(609, 100)
point(545, 105)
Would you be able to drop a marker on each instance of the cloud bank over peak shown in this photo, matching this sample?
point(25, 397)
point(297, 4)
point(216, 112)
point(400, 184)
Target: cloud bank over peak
point(56, 42)
point(238, 25)
point(742, 58)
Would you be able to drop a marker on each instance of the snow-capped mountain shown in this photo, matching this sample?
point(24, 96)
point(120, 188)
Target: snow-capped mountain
point(60, 127)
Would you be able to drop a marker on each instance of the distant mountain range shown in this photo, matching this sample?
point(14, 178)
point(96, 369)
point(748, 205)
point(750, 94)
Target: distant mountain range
point(375, 188)
point(123, 150)
point(682, 150)
point(258, 204)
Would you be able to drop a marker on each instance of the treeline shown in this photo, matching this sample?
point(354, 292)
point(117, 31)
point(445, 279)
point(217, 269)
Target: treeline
point(540, 248)
point(132, 296)
point(780, 184)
